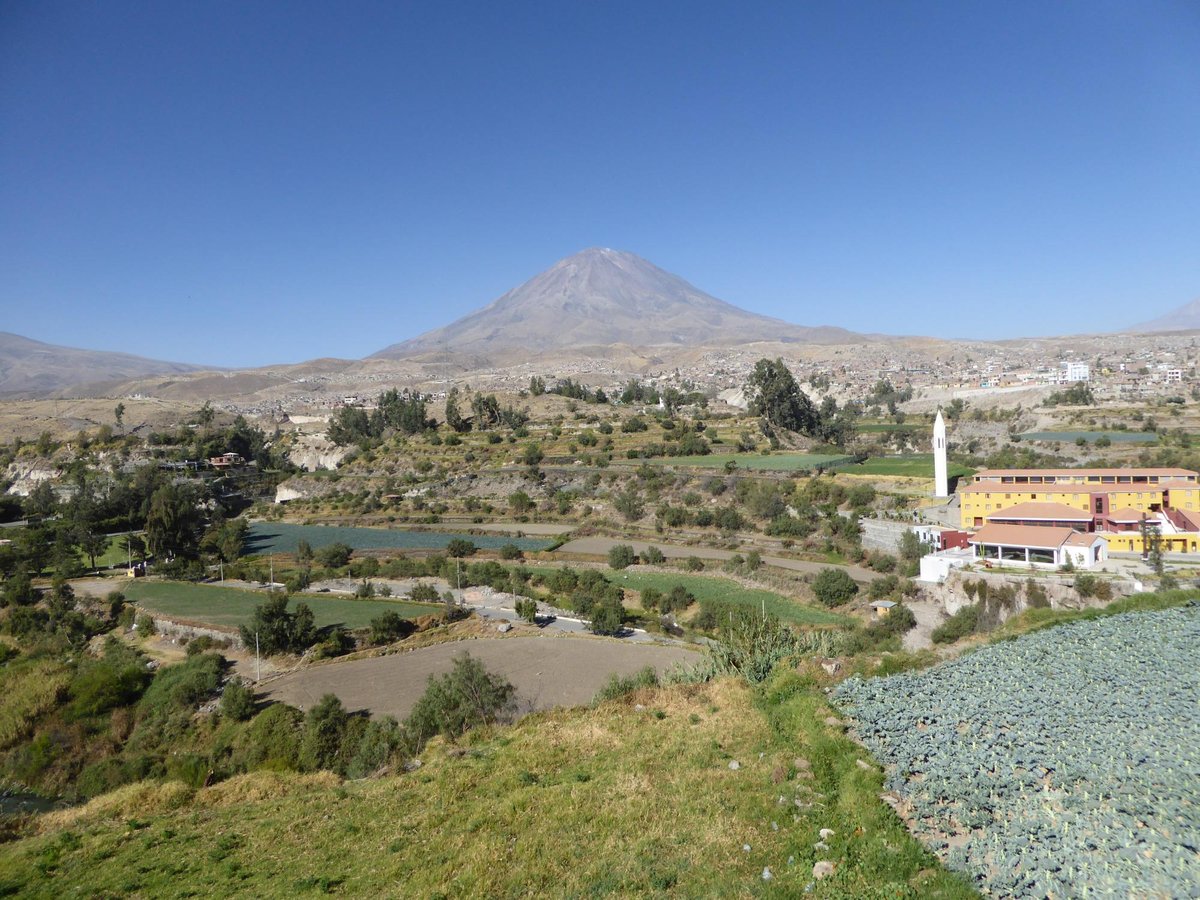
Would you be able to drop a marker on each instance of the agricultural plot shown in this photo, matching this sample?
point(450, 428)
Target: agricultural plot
point(915, 465)
point(272, 537)
point(1117, 437)
point(776, 462)
point(1063, 763)
point(722, 590)
point(230, 607)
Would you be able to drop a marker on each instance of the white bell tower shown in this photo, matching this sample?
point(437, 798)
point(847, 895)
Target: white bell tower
point(941, 483)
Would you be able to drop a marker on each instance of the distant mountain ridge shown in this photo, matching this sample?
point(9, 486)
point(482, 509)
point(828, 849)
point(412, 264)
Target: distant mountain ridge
point(603, 297)
point(33, 367)
point(1185, 318)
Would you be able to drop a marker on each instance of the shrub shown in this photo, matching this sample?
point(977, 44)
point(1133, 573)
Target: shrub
point(607, 617)
point(390, 627)
point(425, 592)
point(652, 598)
point(463, 698)
point(654, 556)
point(237, 701)
point(1085, 584)
point(380, 740)
point(834, 587)
point(272, 740)
point(334, 556)
point(526, 608)
point(694, 564)
point(1035, 595)
point(678, 599)
point(622, 685)
point(959, 625)
point(278, 630)
point(511, 551)
point(460, 547)
point(621, 556)
point(325, 727)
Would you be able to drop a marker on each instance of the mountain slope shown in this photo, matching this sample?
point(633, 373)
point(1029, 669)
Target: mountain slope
point(601, 297)
point(33, 367)
point(1185, 318)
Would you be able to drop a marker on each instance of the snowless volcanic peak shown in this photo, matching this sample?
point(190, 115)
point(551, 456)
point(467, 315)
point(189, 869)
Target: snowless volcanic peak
point(1185, 318)
point(601, 297)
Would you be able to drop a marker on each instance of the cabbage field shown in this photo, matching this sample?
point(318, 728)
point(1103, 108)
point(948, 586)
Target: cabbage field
point(1063, 763)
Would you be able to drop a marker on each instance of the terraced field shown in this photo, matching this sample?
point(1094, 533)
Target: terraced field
point(274, 537)
point(776, 462)
point(1064, 763)
point(225, 607)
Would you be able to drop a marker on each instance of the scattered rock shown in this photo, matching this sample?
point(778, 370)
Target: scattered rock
point(778, 774)
point(734, 764)
point(791, 860)
point(831, 666)
point(746, 848)
point(801, 764)
point(820, 845)
point(863, 765)
point(827, 833)
point(774, 826)
point(823, 869)
point(766, 874)
point(504, 627)
point(833, 721)
point(412, 765)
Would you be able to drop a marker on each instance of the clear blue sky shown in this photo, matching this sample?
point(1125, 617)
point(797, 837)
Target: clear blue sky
point(241, 183)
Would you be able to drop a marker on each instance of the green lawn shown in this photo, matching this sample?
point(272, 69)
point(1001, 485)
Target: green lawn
point(707, 587)
point(116, 554)
point(917, 465)
point(776, 462)
point(725, 591)
point(884, 427)
point(230, 607)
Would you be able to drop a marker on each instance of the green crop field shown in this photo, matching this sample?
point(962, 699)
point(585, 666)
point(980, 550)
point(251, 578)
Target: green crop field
point(916, 465)
point(883, 427)
point(776, 462)
point(230, 607)
point(1117, 437)
point(725, 591)
point(274, 537)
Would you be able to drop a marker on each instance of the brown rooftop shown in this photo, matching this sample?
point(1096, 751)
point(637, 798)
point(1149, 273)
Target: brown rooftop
point(1046, 537)
point(1050, 512)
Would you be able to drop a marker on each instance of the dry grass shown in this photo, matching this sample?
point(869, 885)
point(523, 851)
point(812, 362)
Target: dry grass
point(26, 691)
point(145, 798)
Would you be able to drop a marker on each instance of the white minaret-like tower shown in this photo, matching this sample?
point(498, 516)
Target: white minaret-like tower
point(941, 484)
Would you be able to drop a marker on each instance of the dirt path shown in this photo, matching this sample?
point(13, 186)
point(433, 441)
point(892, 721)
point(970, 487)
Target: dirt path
point(929, 616)
point(546, 671)
point(601, 545)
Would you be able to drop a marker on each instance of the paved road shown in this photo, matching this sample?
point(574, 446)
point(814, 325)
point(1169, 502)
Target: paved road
point(600, 546)
point(546, 671)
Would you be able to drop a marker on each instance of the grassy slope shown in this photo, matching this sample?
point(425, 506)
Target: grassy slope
point(230, 607)
point(577, 802)
point(726, 591)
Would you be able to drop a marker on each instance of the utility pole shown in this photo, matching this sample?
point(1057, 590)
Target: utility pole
point(257, 661)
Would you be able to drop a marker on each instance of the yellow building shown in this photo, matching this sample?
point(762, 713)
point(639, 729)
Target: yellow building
point(1096, 492)
point(1112, 502)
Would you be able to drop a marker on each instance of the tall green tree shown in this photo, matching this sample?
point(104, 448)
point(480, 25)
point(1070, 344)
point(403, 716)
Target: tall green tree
point(777, 398)
point(173, 521)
